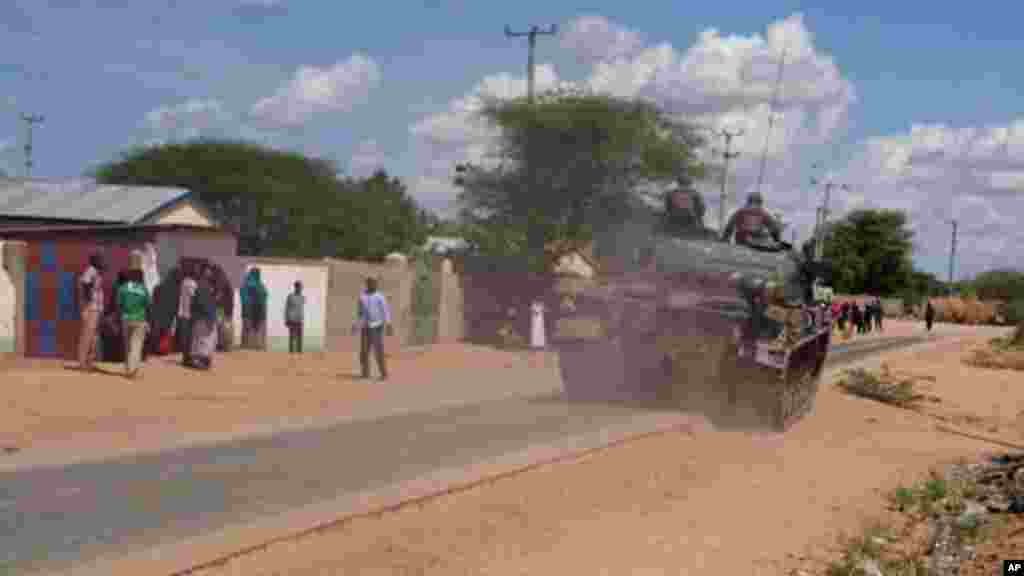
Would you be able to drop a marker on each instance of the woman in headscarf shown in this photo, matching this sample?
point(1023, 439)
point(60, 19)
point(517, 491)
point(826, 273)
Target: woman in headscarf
point(254, 310)
point(204, 323)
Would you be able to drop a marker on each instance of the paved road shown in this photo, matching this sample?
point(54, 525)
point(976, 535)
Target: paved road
point(57, 517)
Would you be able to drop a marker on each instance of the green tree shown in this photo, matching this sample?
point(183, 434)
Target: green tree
point(871, 252)
point(280, 203)
point(569, 164)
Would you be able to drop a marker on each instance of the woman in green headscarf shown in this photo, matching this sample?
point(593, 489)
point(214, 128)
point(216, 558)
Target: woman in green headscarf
point(254, 310)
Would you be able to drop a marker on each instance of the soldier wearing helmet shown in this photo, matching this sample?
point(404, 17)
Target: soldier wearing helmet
point(752, 224)
point(684, 210)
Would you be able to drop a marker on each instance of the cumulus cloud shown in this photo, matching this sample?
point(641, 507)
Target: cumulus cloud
point(366, 159)
point(593, 38)
point(458, 134)
point(721, 81)
point(314, 90)
point(938, 173)
point(192, 118)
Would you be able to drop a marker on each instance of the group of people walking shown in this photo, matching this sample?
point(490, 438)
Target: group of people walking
point(198, 317)
point(851, 316)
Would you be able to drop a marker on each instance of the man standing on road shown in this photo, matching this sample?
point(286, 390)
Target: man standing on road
point(90, 299)
point(294, 315)
point(878, 314)
point(183, 327)
point(929, 315)
point(374, 317)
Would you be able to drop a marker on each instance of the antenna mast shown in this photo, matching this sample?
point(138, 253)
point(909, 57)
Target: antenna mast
point(771, 118)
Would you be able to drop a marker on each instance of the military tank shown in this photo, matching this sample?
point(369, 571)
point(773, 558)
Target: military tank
point(696, 324)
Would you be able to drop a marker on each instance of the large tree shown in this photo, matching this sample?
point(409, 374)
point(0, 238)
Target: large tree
point(281, 203)
point(567, 164)
point(871, 252)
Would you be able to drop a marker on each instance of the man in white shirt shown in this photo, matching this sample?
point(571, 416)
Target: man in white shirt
point(183, 328)
point(373, 318)
point(90, 303)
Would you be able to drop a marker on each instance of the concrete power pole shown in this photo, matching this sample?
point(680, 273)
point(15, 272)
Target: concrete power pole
point(531, 36)
point(727, 155)
point(30, 121)
point(823, 211)
point(952, 253)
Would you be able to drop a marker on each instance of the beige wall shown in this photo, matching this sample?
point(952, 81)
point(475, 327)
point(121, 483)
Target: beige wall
point(279, 276)
point(182, 213)
point(12, 283)
point(346, 280)
point(451, 321)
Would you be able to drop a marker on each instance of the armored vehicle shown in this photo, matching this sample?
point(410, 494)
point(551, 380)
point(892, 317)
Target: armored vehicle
point(696, 324)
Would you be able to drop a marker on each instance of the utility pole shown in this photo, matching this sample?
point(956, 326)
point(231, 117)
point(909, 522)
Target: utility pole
point(531, 36)
point(727, 155)
point(823, 211)
point(952, 253)
point(30, 121)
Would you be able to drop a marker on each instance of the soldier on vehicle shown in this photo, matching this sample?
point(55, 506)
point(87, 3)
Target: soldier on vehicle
point(684, 211)
point(753, 225)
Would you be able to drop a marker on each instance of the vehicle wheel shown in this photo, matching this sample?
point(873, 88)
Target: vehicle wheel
point(798, 389)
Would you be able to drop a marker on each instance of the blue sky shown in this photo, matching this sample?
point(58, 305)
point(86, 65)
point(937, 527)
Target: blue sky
point(96, 68)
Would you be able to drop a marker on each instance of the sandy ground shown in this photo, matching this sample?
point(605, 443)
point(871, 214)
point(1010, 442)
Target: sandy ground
point(713, 502)
point(49, 405)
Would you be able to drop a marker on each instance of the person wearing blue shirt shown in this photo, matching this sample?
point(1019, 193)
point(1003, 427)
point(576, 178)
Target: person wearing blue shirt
point(373, 319)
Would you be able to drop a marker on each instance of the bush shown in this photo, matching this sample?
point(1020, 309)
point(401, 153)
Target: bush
point(1014, 311)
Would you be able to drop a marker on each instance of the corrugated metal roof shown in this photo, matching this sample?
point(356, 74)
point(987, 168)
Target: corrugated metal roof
point(83, 199)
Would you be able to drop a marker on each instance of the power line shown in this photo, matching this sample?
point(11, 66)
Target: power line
point(30, 121)
point(727, 155)
point(531, 36)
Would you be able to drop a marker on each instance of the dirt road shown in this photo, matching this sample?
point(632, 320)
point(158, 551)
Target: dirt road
point(711, 502)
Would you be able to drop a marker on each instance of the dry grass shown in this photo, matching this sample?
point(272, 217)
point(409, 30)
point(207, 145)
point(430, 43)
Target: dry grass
point(1001, 353)
point(886, 387)
point(965, 311)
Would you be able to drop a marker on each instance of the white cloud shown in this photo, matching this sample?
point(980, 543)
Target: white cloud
point(457, 134)
point(938, 173)
point(192, 118)
point(367, 158)
point(314, 90)
point(595, 38)
point(720, 81)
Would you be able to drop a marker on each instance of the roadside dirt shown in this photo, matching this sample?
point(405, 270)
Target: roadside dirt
point(49, 405)
point(715, 502)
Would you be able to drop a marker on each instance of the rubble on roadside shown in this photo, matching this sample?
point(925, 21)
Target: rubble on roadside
point(889, 387)
point(940, 523)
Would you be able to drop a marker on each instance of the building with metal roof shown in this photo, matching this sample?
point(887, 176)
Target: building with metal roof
point(84, 201)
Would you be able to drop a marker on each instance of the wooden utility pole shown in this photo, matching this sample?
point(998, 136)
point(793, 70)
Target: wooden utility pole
point(531, 36)
point(30, 121)
point(952, 253)
point(823, 212)
point(727, 155)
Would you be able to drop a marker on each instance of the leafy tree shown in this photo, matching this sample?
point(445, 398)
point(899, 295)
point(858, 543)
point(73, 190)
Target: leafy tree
point(280, 203)
point(569, 164)
point(1003, 285)
point(870, 251)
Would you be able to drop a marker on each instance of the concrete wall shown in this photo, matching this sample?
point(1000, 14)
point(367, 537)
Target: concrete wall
point(451, 320)
point(12, 283)
point(279, 275)
point(346, 280)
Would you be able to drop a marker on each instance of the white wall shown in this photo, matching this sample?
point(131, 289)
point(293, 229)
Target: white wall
point(7, 300)
point(279, 276)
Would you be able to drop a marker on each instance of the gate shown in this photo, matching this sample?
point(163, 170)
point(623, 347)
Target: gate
point(426, 296)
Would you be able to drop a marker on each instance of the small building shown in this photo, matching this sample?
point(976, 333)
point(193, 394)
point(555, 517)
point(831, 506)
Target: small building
point(43, 272)
point(49, 227)
point(84, 201)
